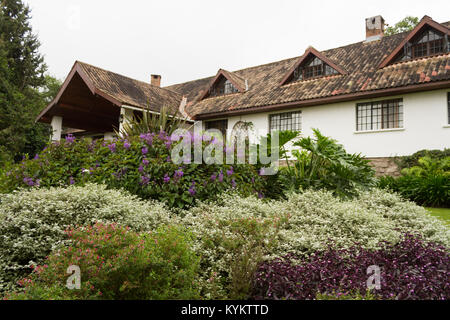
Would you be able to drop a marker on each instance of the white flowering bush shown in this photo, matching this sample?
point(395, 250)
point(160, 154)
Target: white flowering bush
point(32, 223)
point(232, 237)
point(318, 219)
point(235, 234)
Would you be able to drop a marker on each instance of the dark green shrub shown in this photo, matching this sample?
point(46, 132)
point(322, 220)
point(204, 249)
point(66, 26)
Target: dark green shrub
point(322, 163)
point(116, 264)
point(413, 160)
point(427, 184)
point(140, 165)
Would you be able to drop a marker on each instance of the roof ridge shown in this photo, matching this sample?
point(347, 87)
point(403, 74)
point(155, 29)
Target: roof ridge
point(286, 59)
point(140, 81)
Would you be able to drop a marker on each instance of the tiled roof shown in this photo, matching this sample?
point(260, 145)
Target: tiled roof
point(129, 91)
point(361, 61)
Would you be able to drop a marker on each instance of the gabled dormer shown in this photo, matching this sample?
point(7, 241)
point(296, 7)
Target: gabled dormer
point(311, 65)
point(224, 82)
point(427, 39)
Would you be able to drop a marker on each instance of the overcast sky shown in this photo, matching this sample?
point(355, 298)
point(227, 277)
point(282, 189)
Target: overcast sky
point(187, 40)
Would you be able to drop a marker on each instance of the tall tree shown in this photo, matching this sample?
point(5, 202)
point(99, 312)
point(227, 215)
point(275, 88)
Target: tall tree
point(406, 24)
point(23, 91)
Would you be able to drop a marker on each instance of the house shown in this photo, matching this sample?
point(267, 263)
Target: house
point(385, 96)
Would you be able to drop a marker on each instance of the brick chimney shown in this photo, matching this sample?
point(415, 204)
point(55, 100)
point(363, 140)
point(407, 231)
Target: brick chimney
point(156, 80)
point(374, 28)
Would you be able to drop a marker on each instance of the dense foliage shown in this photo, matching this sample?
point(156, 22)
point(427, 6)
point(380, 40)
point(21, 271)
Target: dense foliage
point(24, 90)
point(405, 25)
point(141, 165)
point(232, 237)
point(32, 222)
point(427, 183)
point(117, 264)
point(322, 163)
point(234, 234)
point(410, 269)
point(413, 160)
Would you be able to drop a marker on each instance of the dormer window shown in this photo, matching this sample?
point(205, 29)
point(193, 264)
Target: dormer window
point(313, 68)
point(427, 39)
point(223, 86)
point(224, 83)
point(312, 64)
point(428, 43)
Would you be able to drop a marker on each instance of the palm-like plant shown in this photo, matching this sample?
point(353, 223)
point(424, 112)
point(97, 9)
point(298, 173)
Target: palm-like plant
point(322, 163)
point(166, 120)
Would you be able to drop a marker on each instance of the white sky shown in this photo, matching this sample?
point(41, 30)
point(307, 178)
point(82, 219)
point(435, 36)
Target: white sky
point(192, 39)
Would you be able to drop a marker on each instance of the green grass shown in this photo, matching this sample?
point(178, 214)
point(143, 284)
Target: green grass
point(440, 213)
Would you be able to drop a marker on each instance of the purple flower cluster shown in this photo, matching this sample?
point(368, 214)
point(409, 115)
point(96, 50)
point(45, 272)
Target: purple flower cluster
point(178, 174)
point(191, 190)
point(112, 147)
point(166, 178)
point(163, 136)
point(147, 137)
point(30, 182)
point(126, 145)
point(410, 269)
point(70, 138)
point(145, 180)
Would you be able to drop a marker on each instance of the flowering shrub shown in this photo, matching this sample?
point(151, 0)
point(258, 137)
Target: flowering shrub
point(232, 242)
point(376, 215)
point(33, 222)
point(116, 263)
point(410, 269)
point(140, 165)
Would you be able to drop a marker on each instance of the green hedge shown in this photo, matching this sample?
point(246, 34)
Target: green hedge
point(413, 160)
point(427, 183)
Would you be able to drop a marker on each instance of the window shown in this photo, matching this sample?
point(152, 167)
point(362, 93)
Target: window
point(285, 121)
point(313, 68)
point(427, 43)
point(220, 125)
point(223, 86)
point(379, 115)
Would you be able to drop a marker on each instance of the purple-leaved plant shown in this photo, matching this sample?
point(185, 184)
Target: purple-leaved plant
point(410, 269)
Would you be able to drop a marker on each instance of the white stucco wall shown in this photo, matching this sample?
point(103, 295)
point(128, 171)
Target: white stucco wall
point(425, 125)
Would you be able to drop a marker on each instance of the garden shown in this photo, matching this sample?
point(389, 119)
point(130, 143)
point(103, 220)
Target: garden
point(139, 226)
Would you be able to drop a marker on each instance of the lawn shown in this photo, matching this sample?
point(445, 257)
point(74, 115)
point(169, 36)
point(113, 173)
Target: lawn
point(440, 213)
